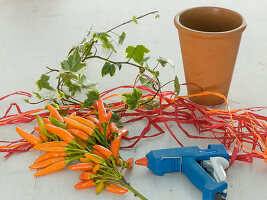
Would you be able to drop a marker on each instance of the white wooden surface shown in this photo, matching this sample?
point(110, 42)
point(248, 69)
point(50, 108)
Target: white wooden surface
point(36, 33)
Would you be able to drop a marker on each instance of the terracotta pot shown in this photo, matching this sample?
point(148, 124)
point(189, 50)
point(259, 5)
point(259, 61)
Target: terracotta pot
point(209, 40)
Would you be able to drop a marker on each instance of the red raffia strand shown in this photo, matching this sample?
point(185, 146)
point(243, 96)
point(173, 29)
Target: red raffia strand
point(243, 129)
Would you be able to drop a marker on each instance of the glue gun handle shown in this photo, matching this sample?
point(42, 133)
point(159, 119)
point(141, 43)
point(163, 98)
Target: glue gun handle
point(201, 179)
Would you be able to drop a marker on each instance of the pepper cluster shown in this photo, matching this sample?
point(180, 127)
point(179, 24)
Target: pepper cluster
point(95, 142)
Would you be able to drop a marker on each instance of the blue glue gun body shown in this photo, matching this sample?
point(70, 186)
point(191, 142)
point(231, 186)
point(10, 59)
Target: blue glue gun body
point(187, 160)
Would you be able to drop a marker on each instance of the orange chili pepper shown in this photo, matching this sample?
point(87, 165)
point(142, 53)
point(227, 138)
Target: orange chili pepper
point(102, 114)
point(49, 155)
point(115, 146)
point(73, 114)
point(106, 152)
point(60, 132)
point(129, 163)
point(47, 121)
point(123, 132)
point(82, 167)
point(78, 133)
point(86, 176)
point(96, 168)
point(113, 127)
point(46, 163)
point(78, 125)
point(109, 115)
point(52, 149)
point(52, 168)
point(116, 189)
point(95, 158)
point(84, 184)
point(43, 137)
point(99, 154)
point(54, 113)
point(93, 119)
point(51, 144)
point(29, 137)
point(84, 160)
point(119, 162)
point(84, 121)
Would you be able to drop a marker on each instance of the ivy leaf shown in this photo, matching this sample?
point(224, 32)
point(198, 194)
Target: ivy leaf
point(104, 38)
point(136, 53)
point(165, 61)
point(119, 65)
point(59, 94)
point(116, 119)
point(135, 20)
point(73, 88)
point(73, 62)
point(121, 38)
point(144, 80)
point(92, 96)
point(37, 95)
point(149, 105)
point(108, 68)
point(43, 83)
point(132, 98)
point(153, 72)
point(145, 59)
point(85, 83)
point(26, 100)
point(176, 86)
point(157, 16)
point(67, 76)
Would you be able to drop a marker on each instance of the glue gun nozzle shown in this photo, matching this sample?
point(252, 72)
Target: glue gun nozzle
point(142, 161)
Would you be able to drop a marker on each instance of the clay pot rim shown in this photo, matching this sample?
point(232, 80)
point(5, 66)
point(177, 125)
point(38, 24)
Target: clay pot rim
point(206, 34)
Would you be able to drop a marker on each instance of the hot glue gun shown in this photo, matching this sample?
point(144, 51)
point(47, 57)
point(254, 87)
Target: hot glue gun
point(205, 168)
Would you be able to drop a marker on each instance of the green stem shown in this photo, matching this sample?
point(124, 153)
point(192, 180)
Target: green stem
point(129, 187)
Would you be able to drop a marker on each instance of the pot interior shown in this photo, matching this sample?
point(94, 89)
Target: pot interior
point(210, 19)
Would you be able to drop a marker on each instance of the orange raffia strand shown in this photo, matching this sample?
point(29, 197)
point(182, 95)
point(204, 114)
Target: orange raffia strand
point(230, 115)
point(14, 145)
point(31, 112)
point(110, 96)
point(118, 106)
point(264, 124)
point(253, 128)
point(22, 114)
point(90, 113)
